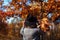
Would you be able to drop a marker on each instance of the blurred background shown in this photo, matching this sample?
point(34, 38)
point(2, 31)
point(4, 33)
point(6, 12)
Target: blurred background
point(14, 12)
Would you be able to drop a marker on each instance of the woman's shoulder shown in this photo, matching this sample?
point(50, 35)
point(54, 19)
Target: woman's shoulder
point(32, 29)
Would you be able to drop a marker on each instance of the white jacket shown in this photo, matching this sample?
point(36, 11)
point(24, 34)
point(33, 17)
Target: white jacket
point(30, 33)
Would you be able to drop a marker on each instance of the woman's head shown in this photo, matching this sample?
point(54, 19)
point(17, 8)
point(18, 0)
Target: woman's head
point(31, 21)
point(30, 24)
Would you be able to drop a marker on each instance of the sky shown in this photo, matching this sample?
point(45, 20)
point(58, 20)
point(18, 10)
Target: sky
point(6, 2)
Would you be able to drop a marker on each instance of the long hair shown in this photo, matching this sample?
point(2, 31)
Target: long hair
point(31, 21)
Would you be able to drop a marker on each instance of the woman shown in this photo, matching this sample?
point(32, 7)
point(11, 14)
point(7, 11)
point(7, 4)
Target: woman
point(30, 30)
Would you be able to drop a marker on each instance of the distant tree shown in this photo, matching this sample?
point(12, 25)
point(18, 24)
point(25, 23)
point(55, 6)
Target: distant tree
point(3, 27)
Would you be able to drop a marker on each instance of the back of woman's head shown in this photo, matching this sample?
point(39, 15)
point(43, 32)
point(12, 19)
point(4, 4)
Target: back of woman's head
point(31, 18)
point(31, 21)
